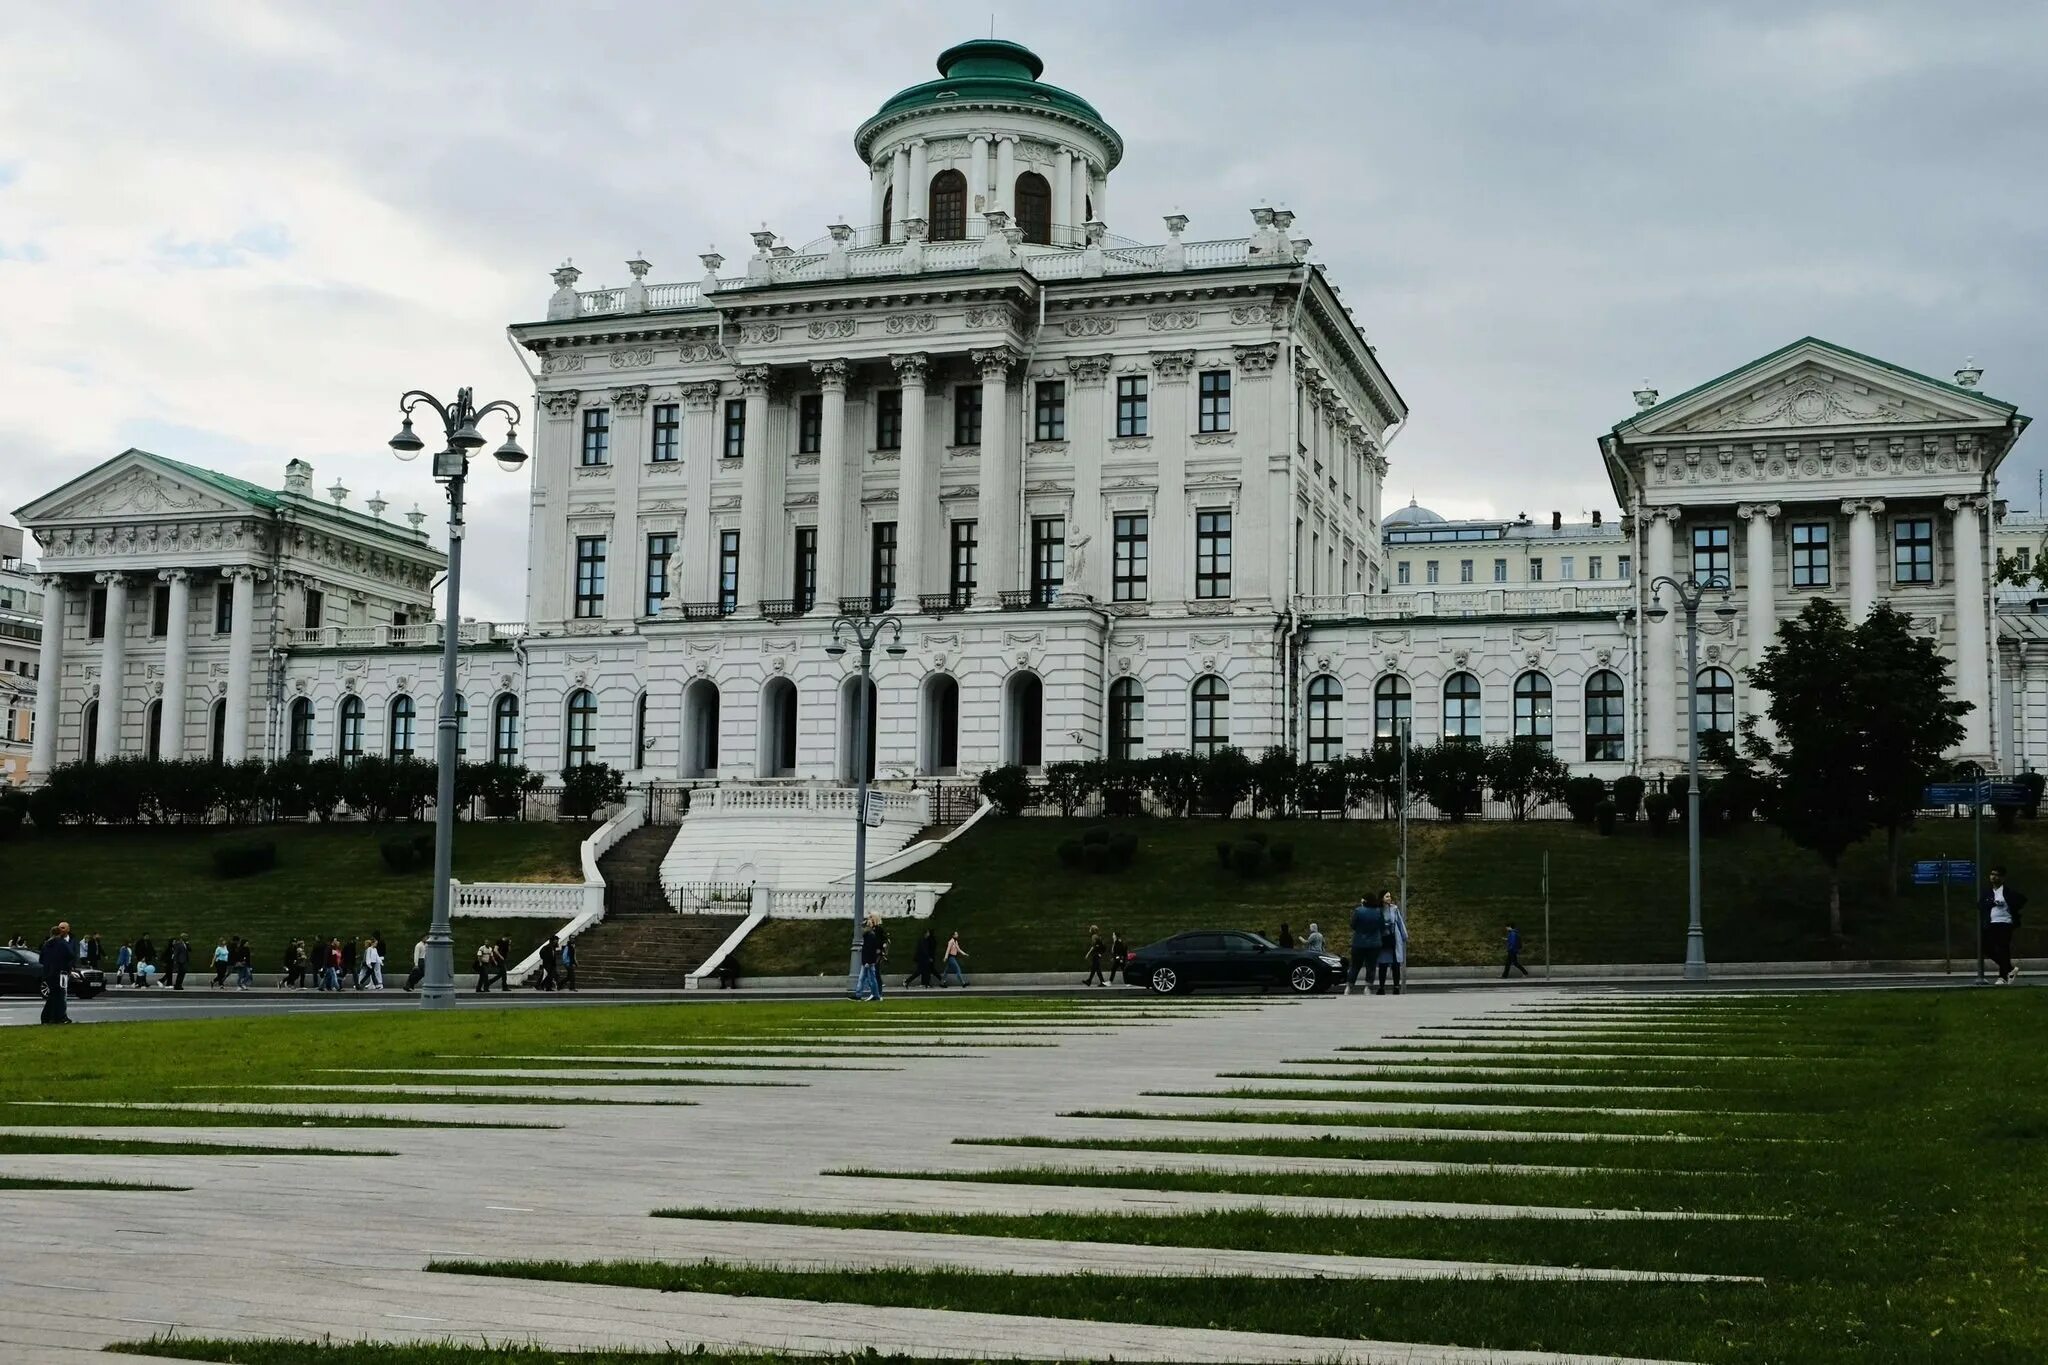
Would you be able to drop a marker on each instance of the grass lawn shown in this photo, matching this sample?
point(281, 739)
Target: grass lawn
point(1615, 899)
point(454, 1353)
point(1908, 1224)
point(330, 882)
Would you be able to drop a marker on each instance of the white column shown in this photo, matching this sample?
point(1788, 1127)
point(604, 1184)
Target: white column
point(1064, 207)
point(177, 638)
point(1090, 576)
point(754, 491)
point(241, 659)
point(1077, 195)
point(113, 663)
point(899, 190)
point(1660, 682)
point(1760, 585)
point(1862, 514)
point(997, 512)
point(1973, 669)
point(700, 454)
point(1100, 189)
point(916, 498)
point(1006, 176)
point(1173, 530)
point(978, 201)
point(920, 182)
point(878, 185)
point(49, 678)
point(838, 470)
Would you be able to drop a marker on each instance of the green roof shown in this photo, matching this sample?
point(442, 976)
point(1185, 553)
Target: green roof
point(1764, 360)
point(989, 71)
point(226, 483)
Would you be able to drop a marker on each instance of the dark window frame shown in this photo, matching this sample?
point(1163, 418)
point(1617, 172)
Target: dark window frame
point(1048, 558)
point(665, 446)
point(1393, 701)
point(1810, 554)
point(592, 554)
point(967, 414)
point(1913, 551)
point(1127, 719)
point(1713, 554)
point(1535, 706)
point(1130, 557)
point(946, 207)
point(728, 571)
point(579, 739)
point(803, 569)
point(505, 728)
point(963, 558)
point(1469, 704)
point(1325, 719)
point(733, 440)
point(1208, 715)
point(1212, 553)
point(810, 423)
point(1133, 406)
point(1049, 410)
point(661, 551)
point(888, 419)
point(1212, 411)
point(882, 565)
point(597, 437)
point(1606, 718)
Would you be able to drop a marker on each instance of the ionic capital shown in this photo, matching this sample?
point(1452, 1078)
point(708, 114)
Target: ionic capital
point(1089, 370)
point(174, 575)
point(1757, 511)
point(701, 396)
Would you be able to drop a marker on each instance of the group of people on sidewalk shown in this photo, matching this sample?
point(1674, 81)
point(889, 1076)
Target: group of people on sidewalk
point(874, 951)
point(344, 964)
point(1379, 944)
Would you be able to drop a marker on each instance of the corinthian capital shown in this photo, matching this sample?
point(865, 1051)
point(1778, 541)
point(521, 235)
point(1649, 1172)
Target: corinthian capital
point(753, 380)
point(911, 368)
point(995, 363)
point(831, 375)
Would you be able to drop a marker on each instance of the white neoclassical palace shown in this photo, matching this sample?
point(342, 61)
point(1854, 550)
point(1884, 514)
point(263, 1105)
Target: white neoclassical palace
point(1124, 498)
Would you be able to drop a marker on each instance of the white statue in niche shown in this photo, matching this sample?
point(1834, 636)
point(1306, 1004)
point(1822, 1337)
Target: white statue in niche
point(1075, 570)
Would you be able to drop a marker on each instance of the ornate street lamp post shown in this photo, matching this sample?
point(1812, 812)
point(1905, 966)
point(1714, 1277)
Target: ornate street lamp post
point(451, 465)
point(1691, 592)
point(865, 630)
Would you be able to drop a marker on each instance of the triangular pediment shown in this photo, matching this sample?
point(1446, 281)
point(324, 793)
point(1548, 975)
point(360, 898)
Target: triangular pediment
point(1813, 386)
point(134, 484)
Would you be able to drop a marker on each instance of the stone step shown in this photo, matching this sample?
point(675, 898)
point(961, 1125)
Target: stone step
point(649, 949)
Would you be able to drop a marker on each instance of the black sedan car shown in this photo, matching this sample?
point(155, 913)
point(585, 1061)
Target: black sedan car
point(21, 973)
point(1206, 958)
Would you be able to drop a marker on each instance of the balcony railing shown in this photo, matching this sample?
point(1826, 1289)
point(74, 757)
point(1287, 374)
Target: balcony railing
point(1440, 603)
point(1031, 599)
point(780, 608)
point(425, 635)
point(708, 611)
point(936, 603)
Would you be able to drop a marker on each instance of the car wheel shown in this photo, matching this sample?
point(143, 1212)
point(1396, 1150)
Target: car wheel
point(1305, 979)
point(1165, 981)
point(43, 989)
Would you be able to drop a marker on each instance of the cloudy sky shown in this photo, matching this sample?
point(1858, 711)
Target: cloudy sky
point(232, 232)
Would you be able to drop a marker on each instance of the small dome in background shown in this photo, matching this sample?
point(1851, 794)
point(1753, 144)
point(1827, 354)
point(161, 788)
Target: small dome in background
point(1411, 515)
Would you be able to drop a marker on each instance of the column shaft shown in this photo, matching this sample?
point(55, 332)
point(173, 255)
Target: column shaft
point(754, 493)
point(1173, 560)
point(1064, 208)
point(1006, 176)
point(1089, 532)
point(837, 473)
point(699, 547)
point(920, 182)
point(899, 194)
point(1077, 194)
point(113, 665)
point(997, 515)
point(1862, 556)
point(177, 640)
point(241, 660)
point(916, 502)
point(1660, 705)
point(49, 679)
point(1973, 669)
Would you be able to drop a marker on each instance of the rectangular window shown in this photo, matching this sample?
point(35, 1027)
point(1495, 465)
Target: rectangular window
point(1212, 554)
point(597, 436)
point(889, 419)
point(1401, 573)
point(316, 603)
point(1130, 573)
point(882, 566)
point(96, 615)
point(1811, 554)
point(1131, 402)
point(1622, 565)
point(735, 446)
point(1710, 555)
point(960, 576)
point(223, 608)
point(160, 611)
point(803, 577)
point(1566, 568)
point(810, 423)
point(2022, 559)
point(1213, 414)
point(590, 558)
point(1535, 571)
point(1913, 550)
point(1048, 558)
point(661, 548)
point(1500, 571)
point(1429, 572)
point(1049, 411)
point(967, 415)
point(1593, 567)
point(668, 434)
point(1464, 571)
point(728, 572)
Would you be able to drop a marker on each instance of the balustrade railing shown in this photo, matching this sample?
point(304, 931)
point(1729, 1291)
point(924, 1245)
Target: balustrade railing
point(426, 634)
point(1453, 603)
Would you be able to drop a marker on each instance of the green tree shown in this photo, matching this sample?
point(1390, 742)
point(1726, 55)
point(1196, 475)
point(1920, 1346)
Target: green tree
point(1911, 718)
point(1524, 773)
point(1450, 776)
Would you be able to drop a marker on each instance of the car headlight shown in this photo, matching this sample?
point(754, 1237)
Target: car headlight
point(1330, 961)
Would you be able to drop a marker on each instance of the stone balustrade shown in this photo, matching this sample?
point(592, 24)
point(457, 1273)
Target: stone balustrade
point(424, 635)
point(1441, 603)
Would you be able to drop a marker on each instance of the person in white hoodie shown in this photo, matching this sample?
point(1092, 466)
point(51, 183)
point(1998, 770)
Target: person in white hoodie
point(373, 966)
point(1393, 958)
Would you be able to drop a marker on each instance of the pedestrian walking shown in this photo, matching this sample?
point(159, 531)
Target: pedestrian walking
point(1285, 938)
point(1393, 958)
point(1368, 925)
point(1118, 951)
point(181, 958)
point(1514, 962)
point(294, 971)
point(58, 953)
point(954, 953)
point(1314, 941)
point(567, 963)
point(926, 971)
point(124, 963)
point(872, 943)
point(503, 953)
point(546, 981)
point(92, 952)
point(348, 963)
point(419, 965)
point(220, 964)
point(330, 974)
point(2000, 908)
point(1095, 952)
point(486, 964)
point(373, 966)
point(244, 955)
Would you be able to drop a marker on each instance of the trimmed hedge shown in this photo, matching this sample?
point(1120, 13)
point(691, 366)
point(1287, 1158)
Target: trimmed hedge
point(134, 790)
point(244, 859)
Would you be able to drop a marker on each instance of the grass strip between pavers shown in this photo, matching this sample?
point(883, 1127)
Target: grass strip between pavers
point(1588, 1125)
point(278, 1351)
point(1635, 1154)
point(1600, 1102)
point(59, 1144)
point(19, 1182)
point(107, 1114)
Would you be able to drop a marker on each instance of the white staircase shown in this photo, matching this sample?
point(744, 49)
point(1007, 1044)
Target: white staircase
point(782, 837)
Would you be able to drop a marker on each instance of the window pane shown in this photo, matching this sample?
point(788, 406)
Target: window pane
point(597, 436)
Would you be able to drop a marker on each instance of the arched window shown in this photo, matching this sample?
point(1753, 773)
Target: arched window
point(1606, 728)
point(153, 729)
point(1393, 707)
point(402, 714)
point(348, 729)
point(1532, 707)
point(1714, 705)
point(1024, 720)
point(888, 211)
point(219, 751)
point(505, 729)
point(89, 730)
point(1126, 718)
point(1325, 719)
point(1210, 730)
point(948, 214)
point(582, 714)
point(640, 730)
point(1461, 707)
point(461, 728)
point(1034, 208)
point(299, 735)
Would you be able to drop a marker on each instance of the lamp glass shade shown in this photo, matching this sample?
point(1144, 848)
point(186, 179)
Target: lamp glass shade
point(510, 455)
point(407, 443)
point(467, 437)
point(1659, 613)
point(896, 651)
point(836, 650)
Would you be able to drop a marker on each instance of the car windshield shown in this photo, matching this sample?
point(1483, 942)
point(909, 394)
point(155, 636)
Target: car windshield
point(1259, 939)
point(33, 959)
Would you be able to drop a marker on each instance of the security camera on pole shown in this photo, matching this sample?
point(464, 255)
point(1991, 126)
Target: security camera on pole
point(1691, 592)
point(451, 466)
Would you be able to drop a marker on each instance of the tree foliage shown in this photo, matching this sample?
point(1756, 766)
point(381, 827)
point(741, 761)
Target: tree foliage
point(1524, 773)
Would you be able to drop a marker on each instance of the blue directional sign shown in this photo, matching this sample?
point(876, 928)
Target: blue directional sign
point(1955, 793)
point(2005, 794)
point(1928, 872)
point(1961, 870)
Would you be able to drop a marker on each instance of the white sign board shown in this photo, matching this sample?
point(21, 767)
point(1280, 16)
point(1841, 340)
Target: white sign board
point(872, 815)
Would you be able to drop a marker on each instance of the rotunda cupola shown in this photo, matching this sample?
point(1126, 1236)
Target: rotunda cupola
point(987, 138)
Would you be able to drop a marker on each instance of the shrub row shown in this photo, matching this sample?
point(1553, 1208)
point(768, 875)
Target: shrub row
point(1099, 850)
point(132, 790)
point(244, 859)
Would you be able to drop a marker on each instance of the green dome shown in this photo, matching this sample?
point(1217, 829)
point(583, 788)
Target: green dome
point(983, 72)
